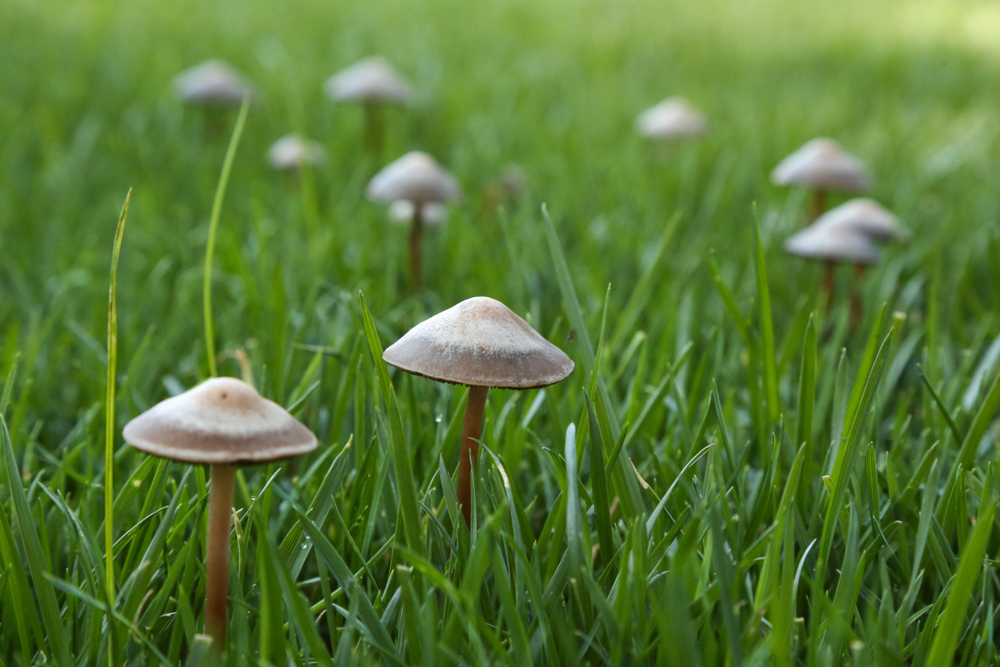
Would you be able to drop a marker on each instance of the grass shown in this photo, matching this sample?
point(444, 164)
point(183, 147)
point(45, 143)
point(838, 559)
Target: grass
point(732, 476)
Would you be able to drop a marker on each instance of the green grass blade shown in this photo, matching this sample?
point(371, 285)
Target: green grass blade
point(766, 329)
point(602, 504)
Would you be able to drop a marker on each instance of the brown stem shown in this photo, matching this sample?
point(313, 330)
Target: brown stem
point(471, 429)
point(220, 518)
point(818, 204)
point(373, 130)
point(829, 275)
point(856, 307)
point(416, 233)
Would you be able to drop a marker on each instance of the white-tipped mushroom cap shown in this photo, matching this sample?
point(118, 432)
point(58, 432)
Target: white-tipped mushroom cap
point(415, 177)
point(368, 80)
point(433, 214)
point(822, 164)
point(867, 217)
point(833, 244)
point(673, 118)
point(222, 420)
point(480, 342)
point(212, 82)
point(292, 151)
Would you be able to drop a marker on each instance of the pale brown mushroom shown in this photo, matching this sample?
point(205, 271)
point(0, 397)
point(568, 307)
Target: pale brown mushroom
point(213, 83)
point(373, 83)
point(822, 165)
point(672, 119)
point(224, 423)
point(480, 343)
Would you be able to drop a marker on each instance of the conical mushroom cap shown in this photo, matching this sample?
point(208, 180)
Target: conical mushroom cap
point(833, 244)
point(212, 82)
point(822, 164)
point(673, 118)
point(480, 342)
point(867, 217)
point(368, 80)
point(223, 420)
point(292, 151)
point(415, 177)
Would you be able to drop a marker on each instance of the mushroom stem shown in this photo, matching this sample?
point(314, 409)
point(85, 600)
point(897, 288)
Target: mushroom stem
point(857, 311)
point(818, 204)
point(471, 430)
point(220, 516)
point(416, 234)
point(829, 274)
point(373, 129)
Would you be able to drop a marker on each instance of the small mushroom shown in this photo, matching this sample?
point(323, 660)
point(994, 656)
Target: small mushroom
point(212, 83)
point(867, 217)
point(480, 343)
point(672, 119)
point(374, 83)
point(833, 245)
point(292, 152)
point(822, 165)
point(223, 423)
point(419, 179)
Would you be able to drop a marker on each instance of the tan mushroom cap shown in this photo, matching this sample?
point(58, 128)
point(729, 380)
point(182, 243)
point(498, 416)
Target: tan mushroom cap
point(415, 177)
point(480, 342)
point(212, 82)
point(822, 164)
point(292, 151)
point(368, 80)
point(222, 420)
point(833, 244)
point(673, 118)
point(867, 217)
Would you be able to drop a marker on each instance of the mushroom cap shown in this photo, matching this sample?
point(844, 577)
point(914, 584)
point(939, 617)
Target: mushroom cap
point(415, 177)
point(833, 244)
point(213, 82)
point(368, 80)
point(401, 212)
point(822, 164)
point(292, 151)
point(222, 420)
point(867, 217)
point(480, 342)
point(673, 118)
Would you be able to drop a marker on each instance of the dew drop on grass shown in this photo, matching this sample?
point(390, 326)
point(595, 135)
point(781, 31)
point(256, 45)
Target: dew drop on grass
point(437, 419)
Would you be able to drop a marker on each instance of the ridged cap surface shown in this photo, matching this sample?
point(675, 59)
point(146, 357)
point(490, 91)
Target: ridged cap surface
point(480, 342)
point(867, 217)
point(368, 80)
point(415, 177)
point(833, 244)
point(212, 82)
point(673, 118)
point(822, 164)
point(222, 420)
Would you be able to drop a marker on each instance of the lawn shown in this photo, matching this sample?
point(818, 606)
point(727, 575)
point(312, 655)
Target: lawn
point(736, 472)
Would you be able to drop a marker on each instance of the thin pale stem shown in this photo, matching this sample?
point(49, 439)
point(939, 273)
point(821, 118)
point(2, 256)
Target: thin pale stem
point(416, 243)
point(471, 429)
point(220, 519)
point(818, 204)
point(374, 134)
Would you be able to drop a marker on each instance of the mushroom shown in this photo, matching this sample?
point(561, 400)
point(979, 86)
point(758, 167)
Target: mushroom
point(433, 215)
point(374, 83)
point(212, 83)
point(832, 245)
point(822, 165)
point(867, 217)
point(291, 152)
point(480, 343)
point(419, 179)
point(223, 423)
point(673, 118)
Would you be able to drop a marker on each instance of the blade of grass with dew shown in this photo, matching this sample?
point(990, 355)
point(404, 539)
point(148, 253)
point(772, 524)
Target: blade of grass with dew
point(109, 423)
point(213, 226)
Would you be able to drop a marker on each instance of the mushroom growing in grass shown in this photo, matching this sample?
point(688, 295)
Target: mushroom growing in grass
point(822, 166)
point(292, 152)
point(373, 83)
point(223, 423)
point(867, 217)
point(419, 179)
point(672, 119)
point(480, 343)
point(833, 245)
point(212, 83)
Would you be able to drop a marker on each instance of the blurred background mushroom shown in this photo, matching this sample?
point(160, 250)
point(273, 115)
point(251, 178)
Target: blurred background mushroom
point(416, 178)
point(867, 217)
point(373, 83)
point(480, 343)
point(822, 165)
point(291, 152)
point(672, 119)
point(223, 423)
